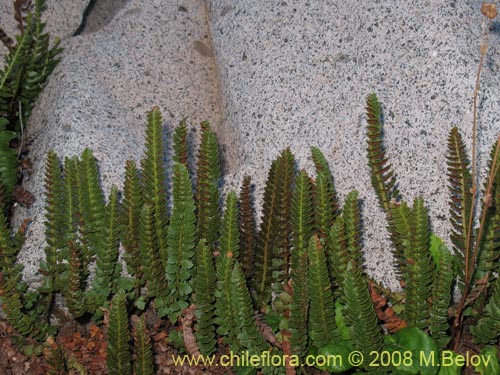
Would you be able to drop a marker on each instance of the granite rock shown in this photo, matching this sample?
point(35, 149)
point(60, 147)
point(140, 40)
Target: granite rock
point(98, 96)
point(297, 73)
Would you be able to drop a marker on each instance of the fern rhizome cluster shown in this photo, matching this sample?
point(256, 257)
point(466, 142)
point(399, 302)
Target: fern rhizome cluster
point(294, 285)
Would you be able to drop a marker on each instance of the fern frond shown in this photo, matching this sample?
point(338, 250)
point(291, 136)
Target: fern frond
point(272, 250)
point(247, 228)
point(143, 350)
point(8, 162)
point(131, 212)
point(352, 222)
point(74, 286)
point(487, 329)
point(249, 335)
point(153, 177)
point(326, 201)
point(382, 176)
point(322, 327)
point(487, 261)
point(460, 184)
point(108, 268)
point(229, 248)
point(400, 224)
point(302, 219)
point(151, 269)
point(338, 254)
point(10, 245)
point(181, 241)
point(420, 268)
point(118, 350)
point(92, 207)
point(360, 313)
point(208, 174)
point(180, 144)
point(204, 285)
point(54, 219)
point(441, 298)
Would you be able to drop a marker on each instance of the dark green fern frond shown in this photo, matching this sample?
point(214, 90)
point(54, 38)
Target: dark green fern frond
point(204, 286)
point(54, 220)
point(322, 327)
point(74, 286)
point(247, 228)
point(487, 329)
point(420, 268)
point(10, 245)
point(460, 184)
point(382, 176)
point(181, 241)
point(400, 224)
point(230, 236)
point(338, 254)
point(441, 298)
point(326, 201)
point(152, 270)
point(180, 144)
point(118, 351)
point(249, 335)
point(364, 330)
point(272, 250)
point(208, 174)
point(108, 268)
point(228, 252)
point(487, 261)
point(352, 222)
point(131, 212)
point(12, 306)
point(8, 160)
point(302, 218)
point(92, 207)
point(143, 350)
point(153, 176)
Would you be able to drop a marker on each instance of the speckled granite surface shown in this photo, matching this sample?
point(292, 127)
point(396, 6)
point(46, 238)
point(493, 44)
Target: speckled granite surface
point(297, 73)
point(151, 53)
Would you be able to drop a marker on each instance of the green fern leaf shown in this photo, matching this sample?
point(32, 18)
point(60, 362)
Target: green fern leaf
point(92, 207)
point(382, 176)
point(322, 327)
point(360, 314)
point(302, 218)
point(441, 298)
point(108, 268)
point(207, 192)
point(325, 197)
point(352, 222)
point(247, 228)
point(181, 153)
point(487, 329)
point(487, 261)
point(153, 176)
point(143, 363)
point(204, 286)
point(118, 350)
point(54, 220)
point(420, 268)
point(249, 335)
point(272, 252)
point(181, 241)
point(152, 270)
point(74, 286)
point(460, 184)
point(131, 212)
point(229, 248)
point(338, 254)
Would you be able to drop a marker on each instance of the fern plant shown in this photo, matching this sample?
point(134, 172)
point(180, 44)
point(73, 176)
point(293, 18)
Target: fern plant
point(28, 64)
point(118, 348)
